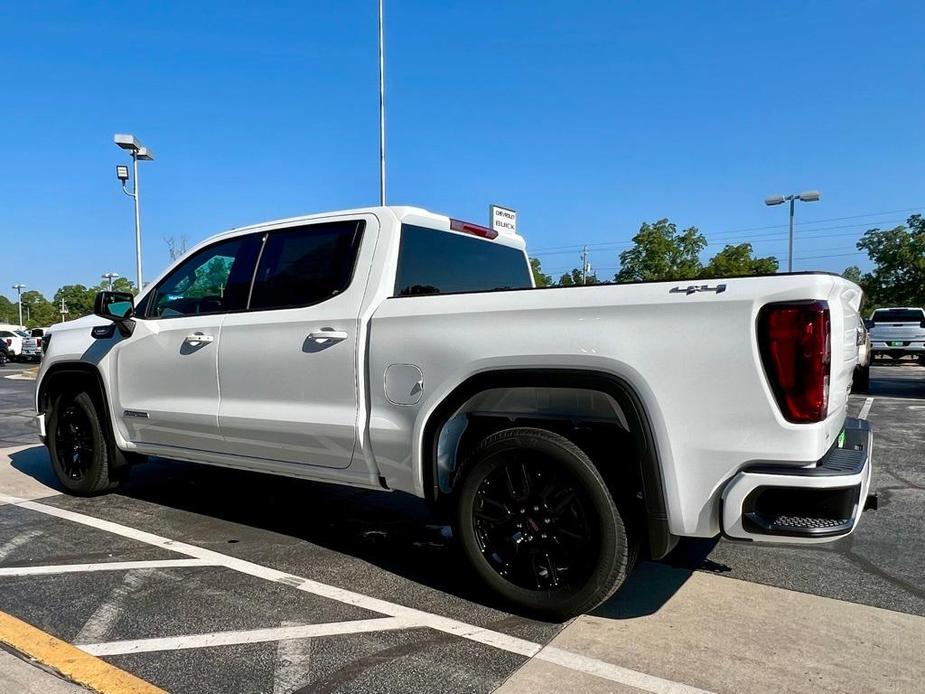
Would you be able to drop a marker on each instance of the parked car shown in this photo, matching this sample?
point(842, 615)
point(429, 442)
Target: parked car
point(563, 430)
point(13, 341)
point(861, 381)
point(31, 349)
point(898, 332)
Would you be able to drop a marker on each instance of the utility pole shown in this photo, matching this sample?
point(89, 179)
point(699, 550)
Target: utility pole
point(585, 265)
point(381, 108)
point(19, 288)
point(63, 311)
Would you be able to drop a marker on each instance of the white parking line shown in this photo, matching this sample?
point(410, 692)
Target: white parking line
point(233, 638)
point(11, 546)
point(865, 408)
point(409, 616)
point(103, 566)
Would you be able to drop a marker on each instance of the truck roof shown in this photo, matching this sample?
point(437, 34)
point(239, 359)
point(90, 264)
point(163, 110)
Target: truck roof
point(403, 213)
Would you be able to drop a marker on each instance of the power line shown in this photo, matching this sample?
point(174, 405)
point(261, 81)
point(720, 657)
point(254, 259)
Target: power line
point(733, 232)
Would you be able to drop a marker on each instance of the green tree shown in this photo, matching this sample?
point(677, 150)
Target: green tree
point(735, 260)
point(853, 273)
point(898, 254)
point(40, 311)
point(120, 284)
point(539, 278)
point(573, 278)
point(77, 298)
point(660, 252)
point(8, 311)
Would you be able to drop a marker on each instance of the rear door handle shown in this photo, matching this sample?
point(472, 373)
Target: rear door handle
point(324, 335)
point(199, 337)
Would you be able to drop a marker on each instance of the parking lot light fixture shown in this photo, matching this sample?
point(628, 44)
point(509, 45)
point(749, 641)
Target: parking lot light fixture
point(111, 276)
point(139, 153)
point(19, 288)
point(805, 196)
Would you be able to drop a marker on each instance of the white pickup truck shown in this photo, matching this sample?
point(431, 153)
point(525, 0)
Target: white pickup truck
point(564, 429)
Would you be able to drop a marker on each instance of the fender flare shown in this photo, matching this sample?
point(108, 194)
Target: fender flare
point(660, 539)
point(82, 369)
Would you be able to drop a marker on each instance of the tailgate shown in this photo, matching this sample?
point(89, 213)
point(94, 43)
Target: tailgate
point(844, 305)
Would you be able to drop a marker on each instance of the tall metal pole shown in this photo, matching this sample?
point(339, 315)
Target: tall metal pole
point(381, 110)
point(19, 288)
point(790, 254)
point(136, 197)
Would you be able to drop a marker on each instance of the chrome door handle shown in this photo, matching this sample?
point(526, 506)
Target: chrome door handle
point(198, 337)
point(324, 335)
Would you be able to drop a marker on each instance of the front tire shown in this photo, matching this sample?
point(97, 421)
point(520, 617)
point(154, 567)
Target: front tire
point(539, 525)
point(79, 446)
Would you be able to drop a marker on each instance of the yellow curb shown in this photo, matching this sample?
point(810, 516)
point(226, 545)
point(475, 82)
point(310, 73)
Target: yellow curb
point(70, 661)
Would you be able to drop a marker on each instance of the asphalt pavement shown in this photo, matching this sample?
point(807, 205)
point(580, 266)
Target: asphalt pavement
point(355, 548)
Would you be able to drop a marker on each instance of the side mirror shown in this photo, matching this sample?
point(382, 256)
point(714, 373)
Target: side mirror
point(115, 306)
point(868, 324)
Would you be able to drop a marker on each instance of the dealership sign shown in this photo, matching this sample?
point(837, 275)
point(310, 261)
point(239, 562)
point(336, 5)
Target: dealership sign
point(503, 220)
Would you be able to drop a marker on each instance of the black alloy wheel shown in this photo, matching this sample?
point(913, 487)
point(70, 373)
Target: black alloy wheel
point(539, 525)
point(532, 523)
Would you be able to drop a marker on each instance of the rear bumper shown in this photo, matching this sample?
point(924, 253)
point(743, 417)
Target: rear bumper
point(811, 504)
point(907, 347)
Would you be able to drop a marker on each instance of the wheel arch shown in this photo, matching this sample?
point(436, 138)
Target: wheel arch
point(625, 396)
point(65, 376)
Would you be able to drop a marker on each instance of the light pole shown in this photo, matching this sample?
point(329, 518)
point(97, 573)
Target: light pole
point(139, 153)
point(19, 288)
point(805, 196)
point(381, 108)
point(111, 276)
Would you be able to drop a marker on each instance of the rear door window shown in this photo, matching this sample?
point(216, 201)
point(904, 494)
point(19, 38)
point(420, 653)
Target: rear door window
point(306, 265)
point(440, 262)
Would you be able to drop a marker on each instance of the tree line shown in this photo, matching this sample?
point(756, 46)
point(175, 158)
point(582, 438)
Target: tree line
point(661, 252)
point(38, 311)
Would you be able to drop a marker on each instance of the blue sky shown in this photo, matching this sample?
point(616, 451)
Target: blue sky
point(587, 117)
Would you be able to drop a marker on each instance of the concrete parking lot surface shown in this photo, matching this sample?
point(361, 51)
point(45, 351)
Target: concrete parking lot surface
point(201, 579)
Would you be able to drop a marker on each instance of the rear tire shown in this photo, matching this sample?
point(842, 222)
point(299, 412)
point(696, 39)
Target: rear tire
point(539, 525)
point(79, 445)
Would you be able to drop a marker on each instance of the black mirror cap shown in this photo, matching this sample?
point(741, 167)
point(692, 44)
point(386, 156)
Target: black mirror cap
point(114, 306)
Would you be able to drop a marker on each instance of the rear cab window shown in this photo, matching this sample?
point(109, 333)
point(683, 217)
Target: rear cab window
point(898, 315)
point(431, 261)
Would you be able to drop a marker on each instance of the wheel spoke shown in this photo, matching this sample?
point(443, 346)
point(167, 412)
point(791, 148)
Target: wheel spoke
point(531, 524)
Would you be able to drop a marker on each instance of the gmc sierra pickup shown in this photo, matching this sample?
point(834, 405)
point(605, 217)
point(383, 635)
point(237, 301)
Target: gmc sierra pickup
point(565, 430)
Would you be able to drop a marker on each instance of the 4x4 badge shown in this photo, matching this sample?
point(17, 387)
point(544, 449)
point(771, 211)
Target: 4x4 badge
point(694, 288)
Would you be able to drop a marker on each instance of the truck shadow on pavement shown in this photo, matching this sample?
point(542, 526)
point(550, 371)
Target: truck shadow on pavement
point(395, 532)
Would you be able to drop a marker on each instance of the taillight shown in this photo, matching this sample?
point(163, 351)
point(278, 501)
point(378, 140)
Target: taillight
point(475, 229)
point(38, 342)
point(9, 342)
point(796, 348)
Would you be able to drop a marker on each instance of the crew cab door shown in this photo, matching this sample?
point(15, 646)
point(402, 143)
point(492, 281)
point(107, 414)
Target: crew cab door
point(288, 366)
point(166, 384)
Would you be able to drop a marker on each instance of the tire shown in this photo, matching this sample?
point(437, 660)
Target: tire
point(79, 445)
point(861, 382)
point(583, 556)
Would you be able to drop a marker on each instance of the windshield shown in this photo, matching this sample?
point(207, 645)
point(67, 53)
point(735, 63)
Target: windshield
point(898, 315)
